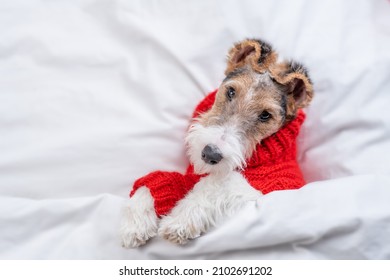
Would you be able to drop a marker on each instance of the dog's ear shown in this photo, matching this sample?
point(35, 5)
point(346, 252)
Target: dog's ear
point(253, 52)
point(297, 86)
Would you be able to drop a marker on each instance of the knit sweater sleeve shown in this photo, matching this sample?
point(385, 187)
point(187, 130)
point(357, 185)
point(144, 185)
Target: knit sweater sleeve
point(166, 188)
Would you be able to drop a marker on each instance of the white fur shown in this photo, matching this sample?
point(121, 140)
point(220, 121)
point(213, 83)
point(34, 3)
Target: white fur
point(212, 198)
point(226, 138)
point(139, 222)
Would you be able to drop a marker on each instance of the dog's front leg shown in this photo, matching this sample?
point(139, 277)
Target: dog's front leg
point(211, 199)
point(139, 220)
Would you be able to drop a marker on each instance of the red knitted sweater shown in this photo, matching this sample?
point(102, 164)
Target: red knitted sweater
point(272, 167)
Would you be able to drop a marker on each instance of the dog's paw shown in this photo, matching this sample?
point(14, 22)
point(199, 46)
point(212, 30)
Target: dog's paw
point(139, 221)
point(177, 230)
point(136, 234)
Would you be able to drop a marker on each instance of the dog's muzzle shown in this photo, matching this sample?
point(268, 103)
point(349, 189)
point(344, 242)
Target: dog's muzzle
point(211, 154)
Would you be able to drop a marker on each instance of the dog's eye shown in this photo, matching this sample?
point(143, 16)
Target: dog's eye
point(230, 93)
point(264, 116)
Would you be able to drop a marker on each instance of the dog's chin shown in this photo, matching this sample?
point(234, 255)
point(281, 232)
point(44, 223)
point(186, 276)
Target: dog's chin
point(221, 169)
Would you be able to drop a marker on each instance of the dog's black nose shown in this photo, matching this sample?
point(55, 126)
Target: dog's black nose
point(211, 154)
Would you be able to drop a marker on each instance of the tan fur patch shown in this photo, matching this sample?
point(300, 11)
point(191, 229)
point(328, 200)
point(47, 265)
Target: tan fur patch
point(286, 76)
point(249, 52)
point(261, 84)
point(259, 57)
point(243, 111)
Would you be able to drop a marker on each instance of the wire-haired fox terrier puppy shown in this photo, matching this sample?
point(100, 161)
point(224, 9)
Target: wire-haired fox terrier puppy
point(241, 145)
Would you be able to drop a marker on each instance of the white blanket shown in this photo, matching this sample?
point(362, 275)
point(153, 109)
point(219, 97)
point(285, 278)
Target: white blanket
point(96, 93)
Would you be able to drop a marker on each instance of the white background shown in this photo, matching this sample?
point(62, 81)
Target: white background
point(96, 93)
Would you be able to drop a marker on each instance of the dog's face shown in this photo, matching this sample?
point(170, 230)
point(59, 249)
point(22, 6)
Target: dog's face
point(258, 96)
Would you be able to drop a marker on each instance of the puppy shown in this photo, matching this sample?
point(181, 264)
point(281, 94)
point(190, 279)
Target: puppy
point(241, 145)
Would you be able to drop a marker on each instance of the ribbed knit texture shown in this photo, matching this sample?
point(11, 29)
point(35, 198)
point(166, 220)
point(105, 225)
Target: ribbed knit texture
point(272, 167)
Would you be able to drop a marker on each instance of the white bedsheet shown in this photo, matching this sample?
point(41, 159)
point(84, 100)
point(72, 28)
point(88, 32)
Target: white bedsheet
point(96, 93)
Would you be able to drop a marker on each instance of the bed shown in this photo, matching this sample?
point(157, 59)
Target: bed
point(96, 93)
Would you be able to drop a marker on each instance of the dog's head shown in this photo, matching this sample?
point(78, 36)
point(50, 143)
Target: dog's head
point(258, 96)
